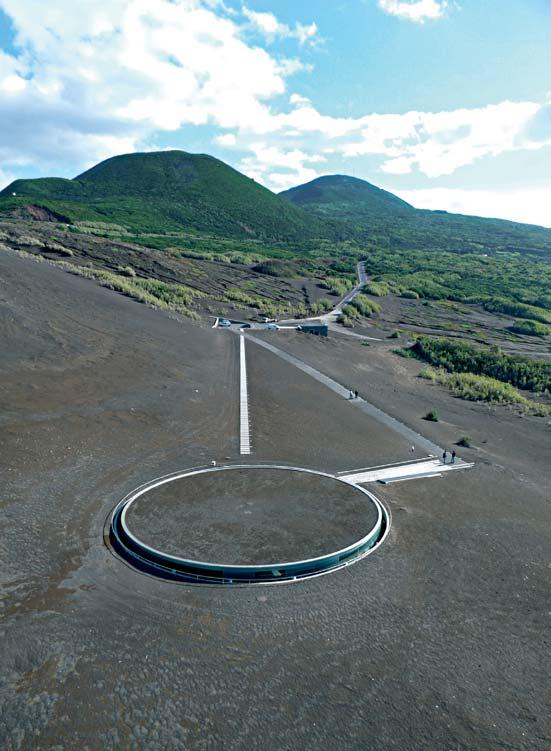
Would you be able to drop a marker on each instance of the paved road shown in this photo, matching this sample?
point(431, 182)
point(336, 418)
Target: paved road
point(332, 315)
point(362, 280)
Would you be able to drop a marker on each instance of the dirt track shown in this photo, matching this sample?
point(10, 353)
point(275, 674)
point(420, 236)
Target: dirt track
point(438, 641)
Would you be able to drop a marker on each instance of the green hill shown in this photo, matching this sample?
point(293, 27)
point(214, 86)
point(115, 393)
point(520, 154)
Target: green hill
point(346, 197)
point(363, 212)
point(173, 191)
point(168, 190)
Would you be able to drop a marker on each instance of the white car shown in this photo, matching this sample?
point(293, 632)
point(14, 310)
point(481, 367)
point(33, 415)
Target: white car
point(272, 327)
point(224, 323)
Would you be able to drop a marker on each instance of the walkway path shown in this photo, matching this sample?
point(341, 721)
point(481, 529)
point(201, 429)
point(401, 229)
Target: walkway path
point(336, 312)
point(332, 315)
point(408, 471)
point(244, 426)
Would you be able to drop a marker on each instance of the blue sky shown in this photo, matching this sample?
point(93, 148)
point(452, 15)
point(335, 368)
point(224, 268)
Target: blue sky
point(447, 104)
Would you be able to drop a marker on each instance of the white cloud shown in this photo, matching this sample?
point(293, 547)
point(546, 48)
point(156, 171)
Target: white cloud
point(13, 84)
point(442, 142)
point(109, 78)
point(145, 65)
point(414, 10)
point(280, 168)
point(6, 178)
point(530, 205)
point(226, 139)
point(268, 24)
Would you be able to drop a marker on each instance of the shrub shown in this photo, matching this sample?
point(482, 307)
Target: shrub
point(378, 289)
point(517, 309)
point(127, 271)
point(29, 241)
point(431, 416)
point(409, 294)
point(530, 328)
point(465, 441)
point(350, 311)
point(394, 335)
point(345, 321)
point(57, 248)
point(459, 357)
point(365, 306)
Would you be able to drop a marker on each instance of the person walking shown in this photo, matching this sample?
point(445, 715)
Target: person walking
point(453, 456)
point(356, 394)
point(351, 394)
point(444, 456)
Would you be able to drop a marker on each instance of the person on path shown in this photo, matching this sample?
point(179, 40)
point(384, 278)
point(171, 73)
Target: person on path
point(412, 449)
point(444, 456)
point(356, 394)
point(453, 456)
point(351, 394)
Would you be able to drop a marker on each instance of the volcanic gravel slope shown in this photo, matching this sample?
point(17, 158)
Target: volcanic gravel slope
point(440, 640)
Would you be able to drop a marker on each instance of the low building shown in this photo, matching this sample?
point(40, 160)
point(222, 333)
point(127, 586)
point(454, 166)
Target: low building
point(318, 329)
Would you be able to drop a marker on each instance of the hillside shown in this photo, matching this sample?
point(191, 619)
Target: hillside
point(162, 193)
point(346, 198)
point(366, 213)
point(168, 190)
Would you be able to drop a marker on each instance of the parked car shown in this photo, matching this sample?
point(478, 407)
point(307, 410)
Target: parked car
point(272, 327)
point(224, 323)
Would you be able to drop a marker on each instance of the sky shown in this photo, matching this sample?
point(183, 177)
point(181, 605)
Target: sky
point(447, 104)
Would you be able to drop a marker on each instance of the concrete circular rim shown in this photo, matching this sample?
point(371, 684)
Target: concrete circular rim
point(166, 565)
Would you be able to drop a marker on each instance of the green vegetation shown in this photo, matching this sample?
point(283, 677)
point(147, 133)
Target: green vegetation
point(382, 221)
point(465, 442)
point(516, 286)
point(431, 416)
point(176, 297)
point(347, 320)
point(519, 310)
point(378, 289)
point(459, 357)
point(337, 287)
point(196, 207)
point(346, 199)
point(530, 328)
point(364, 305)
point(167, 190)
point(478, 388)
point(320, 307)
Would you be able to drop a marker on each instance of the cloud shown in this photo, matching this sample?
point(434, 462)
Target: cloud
point(267, 24)
point(439, 143)
point(280, 168)
point(145, 65)
point(418, 11)
point(530, 205)
point(115, 76)
point(226, 139)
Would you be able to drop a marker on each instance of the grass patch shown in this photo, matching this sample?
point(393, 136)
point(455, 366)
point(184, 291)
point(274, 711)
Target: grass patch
point(431, 416)
point(365, 306)
point(459, 357)
point(530, 328)
point(518, 310)
point(481, 388)
point(377, 289)
point(163, 295)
